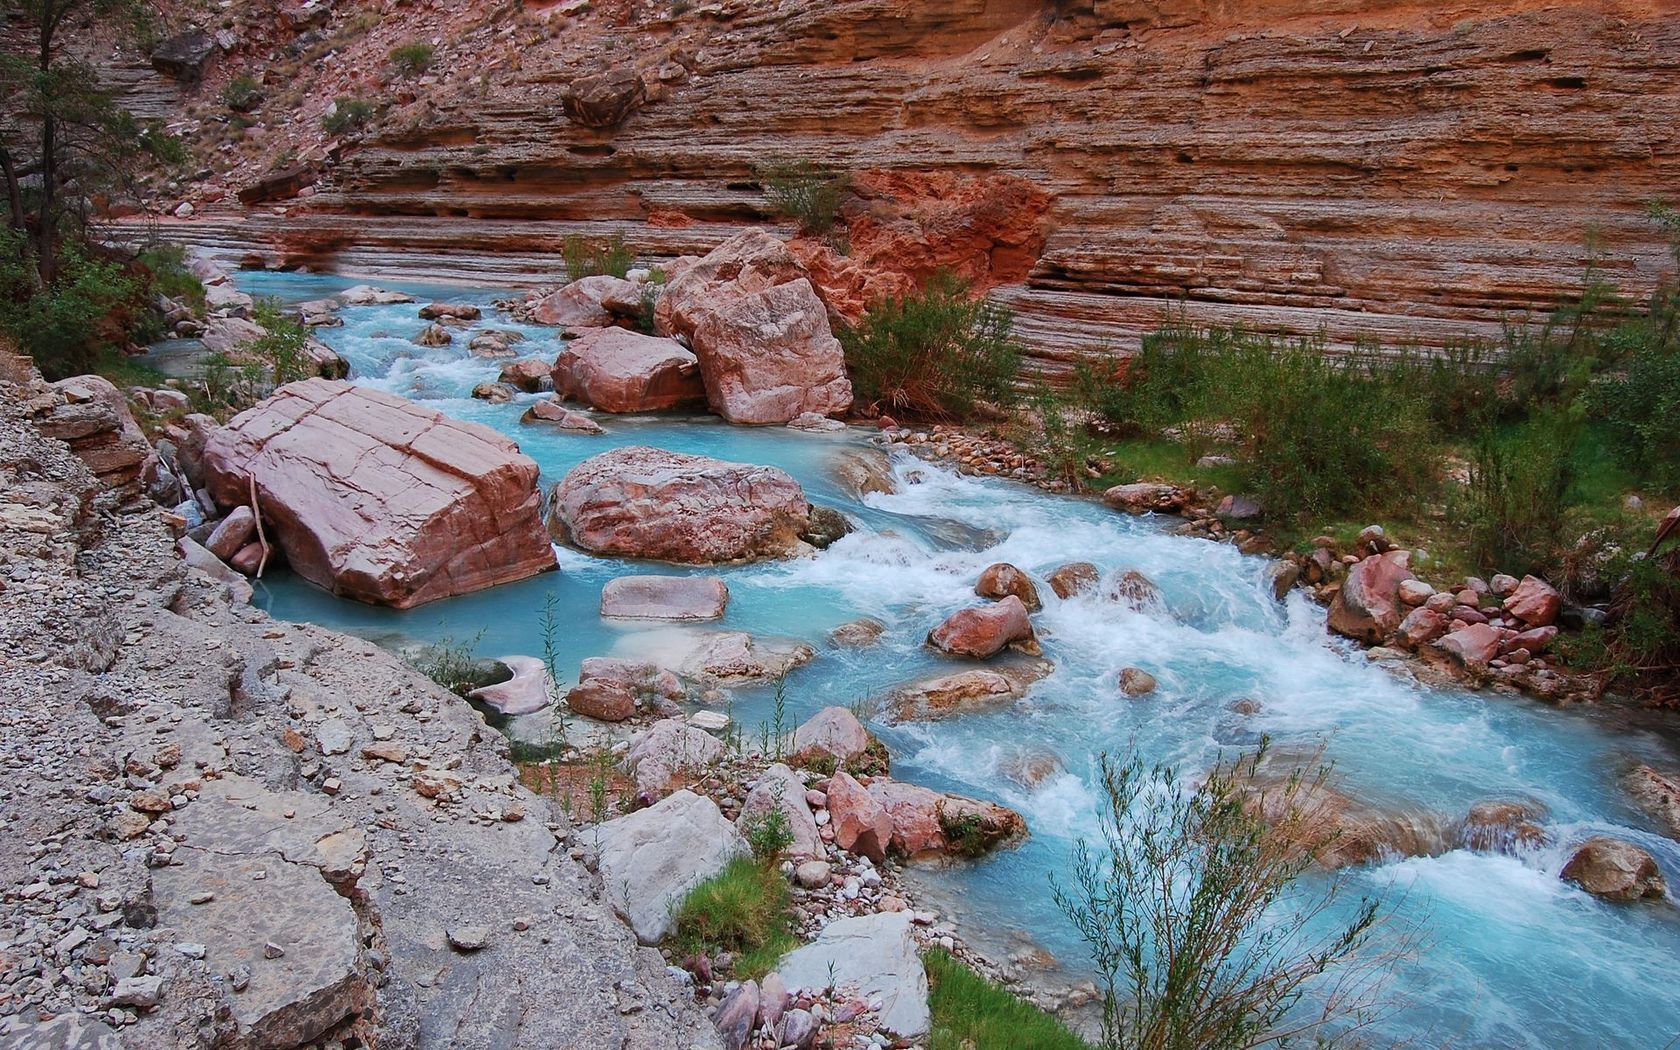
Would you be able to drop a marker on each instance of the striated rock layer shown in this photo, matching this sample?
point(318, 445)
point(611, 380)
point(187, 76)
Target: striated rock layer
point(1402, 170)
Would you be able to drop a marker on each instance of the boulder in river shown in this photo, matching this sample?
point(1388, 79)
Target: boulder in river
point(1075, 578)
point(1502, 826)
point(664, 598)
point(651, 859)
point(983, 631)
point(964, 692)
point(1002, 580)
point(530, 689)
point(1615, 870)
point(552, 413)
point(930, 824)
point(1368, 606)
point(578, 305)
point(644, 502)
point(377, 498)
point(1657, 795)
point(1136, 682)
point(530, 374)
point(616, 370)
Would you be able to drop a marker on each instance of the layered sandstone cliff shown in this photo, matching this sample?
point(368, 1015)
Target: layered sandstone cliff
point(1399, 170)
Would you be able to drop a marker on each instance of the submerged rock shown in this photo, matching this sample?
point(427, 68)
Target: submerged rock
point(553, 414)
point(1615, 870)
point(651, 859)
point(1134, 589)
point(858, 634)
point(644, 502)
point(964, 692)
point(665, 597)
point(738, 658)
point(377, 498)
point(1075, 578)
point(1502, 826)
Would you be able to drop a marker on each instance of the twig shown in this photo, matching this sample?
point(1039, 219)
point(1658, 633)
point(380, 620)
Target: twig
point(262, 538)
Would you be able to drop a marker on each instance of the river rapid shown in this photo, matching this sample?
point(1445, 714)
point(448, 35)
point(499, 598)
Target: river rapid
point(1511, 956)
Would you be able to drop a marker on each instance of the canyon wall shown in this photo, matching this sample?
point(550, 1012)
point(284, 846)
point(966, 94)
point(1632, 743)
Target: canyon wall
point(1405, 171)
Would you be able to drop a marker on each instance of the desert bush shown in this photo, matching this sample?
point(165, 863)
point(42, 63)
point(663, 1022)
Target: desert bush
point(69, 326)
point(1204, 935)
point(412, 59)
point(809, 194)
point(1642, 408)
point(767, 834)
point(242, 94)
point(935, 355)
point(347, 114)
point(452, 663)
point(587, 258)
point(1516, 504)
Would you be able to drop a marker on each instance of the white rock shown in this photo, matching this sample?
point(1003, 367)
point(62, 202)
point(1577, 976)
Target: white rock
point(875, 955)
point(651, 859)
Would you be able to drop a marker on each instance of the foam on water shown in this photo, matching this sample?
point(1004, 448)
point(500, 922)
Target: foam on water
point(1514, 957)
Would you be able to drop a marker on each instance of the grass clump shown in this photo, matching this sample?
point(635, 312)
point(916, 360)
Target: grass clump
point(346, 115)
point(809, 194)
point(933, 356)
point(453, 663)
point(242, 94)
point(972, 1013)
point(587, 258)
point(412, 59)
point(743, 910)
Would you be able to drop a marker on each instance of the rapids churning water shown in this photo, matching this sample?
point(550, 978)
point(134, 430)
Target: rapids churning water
point(1512, 956)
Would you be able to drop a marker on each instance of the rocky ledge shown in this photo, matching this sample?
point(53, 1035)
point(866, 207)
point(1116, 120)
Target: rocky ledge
point(225, 831)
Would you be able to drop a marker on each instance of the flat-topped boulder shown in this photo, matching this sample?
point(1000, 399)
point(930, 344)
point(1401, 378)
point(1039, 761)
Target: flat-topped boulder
point(616, 370)
point(928, 824)
point(760, 330)
point(376, 498)
point(964, 692)
point(873, 956)
point(644, 502)
point(664, 598)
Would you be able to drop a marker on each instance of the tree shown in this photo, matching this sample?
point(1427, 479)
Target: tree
point(1203, 934)
point(66, 140)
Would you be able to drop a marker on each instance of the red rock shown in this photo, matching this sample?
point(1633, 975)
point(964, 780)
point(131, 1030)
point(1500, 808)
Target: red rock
point(1615, 870)
point(605, 699)
point(377, 498)
point(532, 375)
point(1075, 578)
point(1144, 497)
point(457, 311)
point(578, 304)
point(983, 631)
point(1004, 579)
point(1368, 606)
point(1136, 682)
point(1473, 646)
point(1536, 639)
point(920, 817)
point(604, 100)
point(861, 824)
point(1421, 625)
point(834, 731)
point(644, 502)
point(234, 532)
point(560, 418)
point(608, 689)
point(1534, 602)
point(664, 598)
point(616, 370)
point(847, 286)
point(249, 558)
point(94, 419)
point(762, 335)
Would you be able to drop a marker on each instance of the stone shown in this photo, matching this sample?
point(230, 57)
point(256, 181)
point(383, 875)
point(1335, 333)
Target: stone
point(560, 418)
point(1473, 647)
point(1136, 682)
point(873, 956)
point(234, 532)
point(827, 526)
point(1422, 625)
point(1657, 795)
point(333, 737)
point(857, 634)
point(666, 751)
point(249, 558)
point(531, 375)
point(615, 370)
point(1146, 497)
point(781, 789)
point(1282, 577)
point(834, 731)
point(142, 993)
point(1535, 639)
point(1415, 592)
point(530, 689)
point(1368, 606)
point(984, 631)
point(1615, 870)
point(964, 692)
point(760, 331)
point(1134, 589)
point(64, 1032)
point(184, 55)
point(606, 99)
point(1535, 602)
point(737, 1015)
point(368, 295)
point(577, 305)
point(93, 417)
point(813, 874)
point(377, 498)
point(644, 502)
point(924, 821)
point(468, 938)
point(452, 311)
point(861, 824)
point(812, 423)
point(1238, 508)
point(683, 598)
point(772, 1000)
point(1075, 578)
point(799, 1030)
point(1503, 585)
point(495, 393)
point(434, 335)
point(1503, 827)
point(1002, 580)
point(651, 859)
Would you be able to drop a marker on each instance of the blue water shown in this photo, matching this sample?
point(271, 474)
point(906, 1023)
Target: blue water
point(1513, 956)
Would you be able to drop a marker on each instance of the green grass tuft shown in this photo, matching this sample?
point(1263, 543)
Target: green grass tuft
point(743, 910)
point(972, 1013)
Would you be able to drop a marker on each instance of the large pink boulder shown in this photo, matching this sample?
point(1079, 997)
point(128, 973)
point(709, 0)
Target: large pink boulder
point(1368, 607)
point(927, 824)
point(578, 304)
point(781, 790)
point(760, 330)
point(1473, 646)
point(1421, 625)
point(861, 824)
point(983, 631)
point(1534, 602)
point(376, 498)
point(644, 502)
point(616, 370)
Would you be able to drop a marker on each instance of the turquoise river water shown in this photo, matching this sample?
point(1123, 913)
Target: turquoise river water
point(1512, 956)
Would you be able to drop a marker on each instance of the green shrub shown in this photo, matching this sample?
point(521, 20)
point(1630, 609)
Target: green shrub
point(652, 289)
point(242, 94)
point(347, 114)
point(412, 59)
point(767, 834)
point(1516, 504)
point(809, 194)
point(935, 355)
point(970, 1012)
point(1642, 409)
point(71, 326)
point(168, 274)
point(452, 664)
point(586, 258)
point(744, 910)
